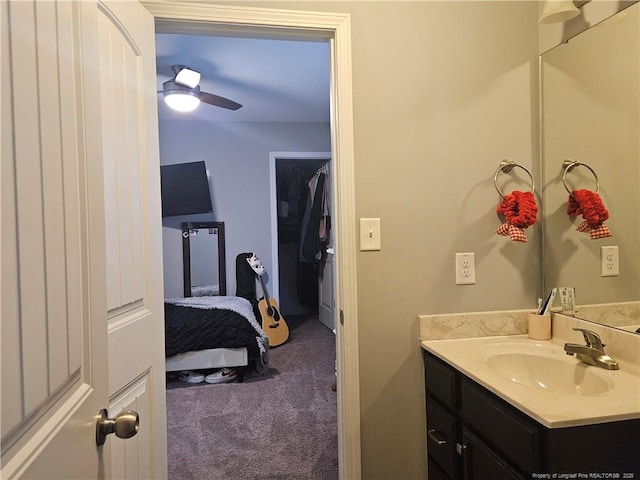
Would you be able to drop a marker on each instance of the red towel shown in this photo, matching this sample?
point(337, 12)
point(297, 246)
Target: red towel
point(520, 211)
point(590, 205)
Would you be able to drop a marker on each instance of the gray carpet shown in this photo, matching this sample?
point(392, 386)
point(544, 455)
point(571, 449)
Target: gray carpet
point(279, 426)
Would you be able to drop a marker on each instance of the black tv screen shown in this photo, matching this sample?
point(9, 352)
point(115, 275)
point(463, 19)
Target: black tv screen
point(185, 189)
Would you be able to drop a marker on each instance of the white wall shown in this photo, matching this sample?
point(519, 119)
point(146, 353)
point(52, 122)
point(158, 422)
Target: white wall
point(237, 157)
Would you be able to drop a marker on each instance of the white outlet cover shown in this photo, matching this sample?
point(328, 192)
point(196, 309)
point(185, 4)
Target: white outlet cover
point(609, 261)
point(465, 268)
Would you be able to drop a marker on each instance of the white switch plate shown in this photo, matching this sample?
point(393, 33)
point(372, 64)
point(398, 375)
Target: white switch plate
point(465, 268)
point(369, 234)
point(610, 263)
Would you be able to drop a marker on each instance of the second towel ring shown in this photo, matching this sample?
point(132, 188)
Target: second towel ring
point(569, 165)
point(505, 167)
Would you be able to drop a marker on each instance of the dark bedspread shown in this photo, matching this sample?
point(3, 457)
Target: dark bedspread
point(188, 329)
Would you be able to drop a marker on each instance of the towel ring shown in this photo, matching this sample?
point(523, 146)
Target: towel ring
point(570, 165)
point(505, 167)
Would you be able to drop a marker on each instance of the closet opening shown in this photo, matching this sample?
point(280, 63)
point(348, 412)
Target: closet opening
point(304, 236)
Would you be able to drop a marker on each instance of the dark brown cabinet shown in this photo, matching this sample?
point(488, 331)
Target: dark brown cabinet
point(472, 434)
point(480, 462)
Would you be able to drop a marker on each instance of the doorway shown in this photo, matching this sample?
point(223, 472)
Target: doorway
point(178, 17)
point(303, 285)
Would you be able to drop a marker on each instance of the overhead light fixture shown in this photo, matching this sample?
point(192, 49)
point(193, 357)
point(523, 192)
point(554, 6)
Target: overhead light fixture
point(182, 93)
point(557, 11)
point(186, 76)
point(179, 97)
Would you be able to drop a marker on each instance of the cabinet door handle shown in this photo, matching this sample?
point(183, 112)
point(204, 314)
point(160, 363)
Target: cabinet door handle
point(463, 451)
point(434, 438)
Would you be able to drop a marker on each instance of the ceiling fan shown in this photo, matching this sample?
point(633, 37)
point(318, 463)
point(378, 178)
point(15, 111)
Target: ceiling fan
point(182, 93)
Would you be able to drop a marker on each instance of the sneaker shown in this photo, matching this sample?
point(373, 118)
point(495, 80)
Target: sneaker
point(221, 376)
point(190, 376)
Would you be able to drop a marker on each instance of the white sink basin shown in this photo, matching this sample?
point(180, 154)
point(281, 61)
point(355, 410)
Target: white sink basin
point(540, 379)
point(547, 372)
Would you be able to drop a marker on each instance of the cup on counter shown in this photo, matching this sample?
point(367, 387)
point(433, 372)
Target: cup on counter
point(540, 326)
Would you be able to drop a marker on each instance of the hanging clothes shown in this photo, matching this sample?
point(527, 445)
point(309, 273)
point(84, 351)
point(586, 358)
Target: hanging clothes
point(307, 198)
point(325, 225)
point(314, 232)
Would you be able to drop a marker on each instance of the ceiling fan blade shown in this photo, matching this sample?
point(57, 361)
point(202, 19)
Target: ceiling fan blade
point(218, 101)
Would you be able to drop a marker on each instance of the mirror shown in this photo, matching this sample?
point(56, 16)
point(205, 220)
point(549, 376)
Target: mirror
point(591, 114)
point(203, 259)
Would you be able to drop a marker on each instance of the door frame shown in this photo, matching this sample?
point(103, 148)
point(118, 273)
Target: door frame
point(273, 202)
point(197, 18)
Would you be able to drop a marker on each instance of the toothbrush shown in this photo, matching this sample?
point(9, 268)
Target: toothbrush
point(539, 309)
point(549, 301)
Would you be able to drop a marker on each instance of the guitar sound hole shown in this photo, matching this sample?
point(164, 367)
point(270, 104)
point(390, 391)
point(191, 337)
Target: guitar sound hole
point(273, 313)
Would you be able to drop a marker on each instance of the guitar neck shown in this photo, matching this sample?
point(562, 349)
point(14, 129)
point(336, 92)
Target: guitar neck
point(264, 291)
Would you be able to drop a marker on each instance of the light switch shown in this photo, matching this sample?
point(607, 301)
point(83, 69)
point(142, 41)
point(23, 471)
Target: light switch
point(369, 234)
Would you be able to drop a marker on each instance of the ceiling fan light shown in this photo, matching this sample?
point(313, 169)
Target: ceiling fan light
point(182, 101)
point(187, 77)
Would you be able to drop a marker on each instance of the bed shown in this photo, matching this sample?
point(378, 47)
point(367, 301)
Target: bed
point(213, 332)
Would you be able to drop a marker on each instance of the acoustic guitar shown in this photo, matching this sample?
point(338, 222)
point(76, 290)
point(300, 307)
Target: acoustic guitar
point(273, 324)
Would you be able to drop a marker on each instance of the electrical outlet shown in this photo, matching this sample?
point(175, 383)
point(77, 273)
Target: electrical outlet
point(609, 260)
point(465, 268)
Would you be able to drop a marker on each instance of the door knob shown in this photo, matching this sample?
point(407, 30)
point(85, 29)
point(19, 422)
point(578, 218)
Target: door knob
point(125, 425)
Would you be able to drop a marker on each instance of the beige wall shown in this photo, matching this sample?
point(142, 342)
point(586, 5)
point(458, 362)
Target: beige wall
point(443, 91)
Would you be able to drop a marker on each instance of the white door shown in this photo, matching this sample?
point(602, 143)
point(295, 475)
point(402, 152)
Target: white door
point(81, 304)
point(135, 315)
point(326, 274)
point(326, 303)
point(54, 369)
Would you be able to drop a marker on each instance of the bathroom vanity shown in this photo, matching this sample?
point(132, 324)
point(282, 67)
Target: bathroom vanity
point(484, 425)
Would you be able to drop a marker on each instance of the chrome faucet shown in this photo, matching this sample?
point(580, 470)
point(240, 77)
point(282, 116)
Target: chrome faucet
point(593, 352)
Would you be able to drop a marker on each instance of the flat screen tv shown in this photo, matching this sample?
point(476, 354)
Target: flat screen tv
point(185, 189)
